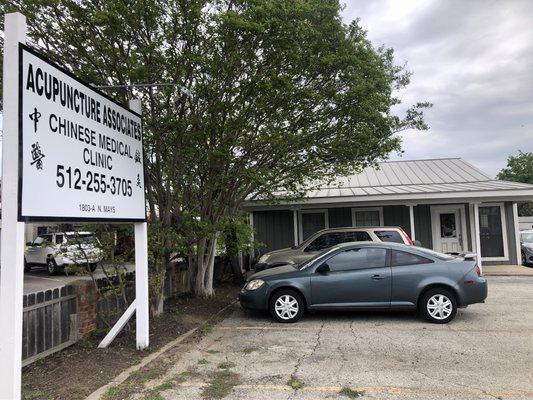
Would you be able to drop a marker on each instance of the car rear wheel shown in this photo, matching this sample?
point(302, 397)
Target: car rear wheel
point(286, 306)
point(51, 266)
point(438, 306)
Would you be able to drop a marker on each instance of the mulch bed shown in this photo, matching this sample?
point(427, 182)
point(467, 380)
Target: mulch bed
point(77, 371)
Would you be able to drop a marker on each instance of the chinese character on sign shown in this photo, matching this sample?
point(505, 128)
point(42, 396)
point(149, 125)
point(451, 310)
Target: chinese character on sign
point(139, 180)
point(35, 116)
point(37, 155)
point(137, 156)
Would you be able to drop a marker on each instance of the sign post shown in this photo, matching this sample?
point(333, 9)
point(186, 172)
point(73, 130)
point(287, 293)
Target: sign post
point(70, 153)
point(12, 257)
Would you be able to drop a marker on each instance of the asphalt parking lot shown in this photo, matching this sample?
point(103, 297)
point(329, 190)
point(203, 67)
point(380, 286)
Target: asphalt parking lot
point(486, 353)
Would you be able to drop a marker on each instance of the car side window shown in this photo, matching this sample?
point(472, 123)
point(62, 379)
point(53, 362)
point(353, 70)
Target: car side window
point(389, 236)
point(404, 258)
point(358, 258)
point(47, 239)
point(325, 241)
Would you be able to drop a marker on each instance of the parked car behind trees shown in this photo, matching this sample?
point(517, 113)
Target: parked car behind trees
point(61, 249)
point(327, 238)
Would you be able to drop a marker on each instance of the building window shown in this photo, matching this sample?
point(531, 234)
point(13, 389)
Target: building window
point(367, 216)
point(312, 221)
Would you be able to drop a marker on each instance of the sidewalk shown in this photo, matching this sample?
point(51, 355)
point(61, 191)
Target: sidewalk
point(507, 270)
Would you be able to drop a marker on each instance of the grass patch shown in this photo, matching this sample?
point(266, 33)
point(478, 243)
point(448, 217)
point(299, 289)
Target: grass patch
point(153, 395)
point(33, 395)
point(226, 365)
point(295, 383)
point(203, 361)
point(250, 350)
point(213, 351)
point(147, 374)
point(220, 384)
point(114, 392)
point(350, 393)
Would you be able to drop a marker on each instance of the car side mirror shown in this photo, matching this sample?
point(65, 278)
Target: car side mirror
point(417, 243)
point(323, 269)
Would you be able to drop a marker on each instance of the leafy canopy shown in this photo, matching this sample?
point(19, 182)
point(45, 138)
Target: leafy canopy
point(520, 169)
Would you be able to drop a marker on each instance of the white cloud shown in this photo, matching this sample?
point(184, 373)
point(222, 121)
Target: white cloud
point(473, 59)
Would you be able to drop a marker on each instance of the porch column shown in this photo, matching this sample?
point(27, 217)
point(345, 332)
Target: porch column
point(476, 237)
point(295, 225)
point(251, 222)
point(517, 234)
point(412, 220)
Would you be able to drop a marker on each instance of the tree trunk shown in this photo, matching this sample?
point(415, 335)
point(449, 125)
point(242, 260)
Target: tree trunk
point(204, 267)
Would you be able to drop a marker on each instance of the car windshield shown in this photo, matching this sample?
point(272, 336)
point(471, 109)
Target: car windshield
point(321, 255)
point(527, 237)
point(433, 253)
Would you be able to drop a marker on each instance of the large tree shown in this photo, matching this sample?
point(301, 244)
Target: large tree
point(283, 96)
point(520, 169)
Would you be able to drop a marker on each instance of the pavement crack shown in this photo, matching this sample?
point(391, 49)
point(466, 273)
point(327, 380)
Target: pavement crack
point(300, 359)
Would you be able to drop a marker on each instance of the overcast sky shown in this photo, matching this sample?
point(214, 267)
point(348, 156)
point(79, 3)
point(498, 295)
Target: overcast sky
point(473, 60)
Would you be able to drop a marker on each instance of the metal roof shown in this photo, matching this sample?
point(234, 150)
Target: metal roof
point(444, 178)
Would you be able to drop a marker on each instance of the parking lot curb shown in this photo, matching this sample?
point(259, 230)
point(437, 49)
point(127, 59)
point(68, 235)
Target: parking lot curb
point(98, 393)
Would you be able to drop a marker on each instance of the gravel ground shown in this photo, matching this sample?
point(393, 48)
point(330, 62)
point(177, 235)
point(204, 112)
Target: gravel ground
point(486, 353)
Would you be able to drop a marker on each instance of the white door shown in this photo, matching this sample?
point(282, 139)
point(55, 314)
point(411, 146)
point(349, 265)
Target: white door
point(448, 227)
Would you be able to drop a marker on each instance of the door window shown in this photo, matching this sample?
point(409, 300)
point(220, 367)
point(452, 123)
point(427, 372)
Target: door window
point(59, 239)
point(447, 225)
point(404, 258)
point(360, 258)
point(312, 222)
point(389, 236)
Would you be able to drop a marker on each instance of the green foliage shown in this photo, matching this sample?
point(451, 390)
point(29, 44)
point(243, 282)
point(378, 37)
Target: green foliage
point(350, 393)
point(295, 383)
point(520, 169)
point(220, 384)
point(284, 97)
point(34, 395)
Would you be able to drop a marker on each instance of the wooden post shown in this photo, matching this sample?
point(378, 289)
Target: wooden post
point(12, 257)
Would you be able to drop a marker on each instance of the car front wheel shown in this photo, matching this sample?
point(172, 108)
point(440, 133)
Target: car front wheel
point(438, 306)
point(27, 267)
point(286, 306)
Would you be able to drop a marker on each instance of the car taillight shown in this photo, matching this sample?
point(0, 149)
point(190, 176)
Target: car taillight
point(409, 240)
point(478, 270)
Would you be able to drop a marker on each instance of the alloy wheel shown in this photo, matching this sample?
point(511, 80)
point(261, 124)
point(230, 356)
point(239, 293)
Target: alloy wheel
point(50, 265)
point(286, 307)
point(439, 306)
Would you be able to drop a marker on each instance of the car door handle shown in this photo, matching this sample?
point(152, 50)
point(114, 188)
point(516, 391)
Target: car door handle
point(377, 277)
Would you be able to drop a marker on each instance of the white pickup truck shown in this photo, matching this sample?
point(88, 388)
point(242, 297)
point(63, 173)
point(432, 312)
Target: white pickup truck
point(57, 250)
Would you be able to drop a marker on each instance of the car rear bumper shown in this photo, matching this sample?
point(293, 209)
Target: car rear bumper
point(475, 292)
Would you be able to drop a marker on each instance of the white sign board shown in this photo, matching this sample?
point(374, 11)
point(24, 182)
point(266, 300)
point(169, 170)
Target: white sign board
point(80, 152)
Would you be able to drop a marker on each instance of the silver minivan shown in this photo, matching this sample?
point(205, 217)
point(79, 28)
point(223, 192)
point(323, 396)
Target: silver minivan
point(327, 238)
